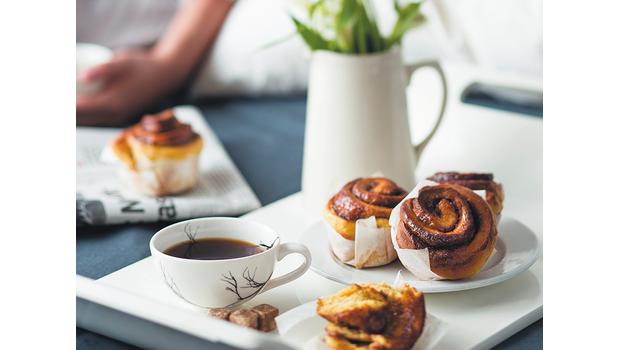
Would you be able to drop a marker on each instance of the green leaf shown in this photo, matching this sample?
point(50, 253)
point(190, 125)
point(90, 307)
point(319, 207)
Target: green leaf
point(375, 41)
point(354, 26)
point(345, 22)
point(360, 36)
point(332, 45)
point(409, 17)
point(396, 7)
point(315, 6)
point(313, 39)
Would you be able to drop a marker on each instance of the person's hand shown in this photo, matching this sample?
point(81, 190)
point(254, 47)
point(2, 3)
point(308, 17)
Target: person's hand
point(131, 81)
point(135, 80)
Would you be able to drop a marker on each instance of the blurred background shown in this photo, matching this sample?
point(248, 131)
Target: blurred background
point(216, 48)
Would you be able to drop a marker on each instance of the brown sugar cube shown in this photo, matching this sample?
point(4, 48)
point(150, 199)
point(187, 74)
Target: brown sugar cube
point(266, 317)
point(222, 314)
point(245, 318)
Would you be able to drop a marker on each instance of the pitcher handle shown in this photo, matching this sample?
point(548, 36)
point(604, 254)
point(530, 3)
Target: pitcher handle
point(409, 70)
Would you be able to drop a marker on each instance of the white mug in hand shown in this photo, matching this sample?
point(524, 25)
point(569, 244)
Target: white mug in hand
point(88, 56)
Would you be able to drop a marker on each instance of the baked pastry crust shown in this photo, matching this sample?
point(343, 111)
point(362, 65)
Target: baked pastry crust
point(126, 146)
point(454, 223)
point(346, 228)
point(353, 312)
point(160, 154)
point(158, 136)
point(357, 307)
point(476, 181)
point(360, 199)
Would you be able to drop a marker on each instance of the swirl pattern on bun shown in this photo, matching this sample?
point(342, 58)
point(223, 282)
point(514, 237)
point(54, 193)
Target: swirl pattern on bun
point(476, 181)
point(360, 199)
point(454, 223)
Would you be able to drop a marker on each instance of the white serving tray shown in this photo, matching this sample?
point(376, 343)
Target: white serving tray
point(477, 319)
point(133, 305)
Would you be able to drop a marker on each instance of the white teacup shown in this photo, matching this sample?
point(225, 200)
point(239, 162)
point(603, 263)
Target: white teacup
point(226, 282)
point(88, 56)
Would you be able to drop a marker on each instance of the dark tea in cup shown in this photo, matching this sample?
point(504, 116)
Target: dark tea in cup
point(214, 249)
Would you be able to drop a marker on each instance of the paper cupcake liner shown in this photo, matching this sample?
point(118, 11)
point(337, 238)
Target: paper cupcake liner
point(162, 176)
point(372, 245)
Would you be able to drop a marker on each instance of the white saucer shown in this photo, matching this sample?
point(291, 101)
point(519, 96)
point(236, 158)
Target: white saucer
point(516, 251)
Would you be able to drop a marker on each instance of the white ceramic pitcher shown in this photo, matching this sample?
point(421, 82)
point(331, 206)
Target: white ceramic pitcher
point(357, 123)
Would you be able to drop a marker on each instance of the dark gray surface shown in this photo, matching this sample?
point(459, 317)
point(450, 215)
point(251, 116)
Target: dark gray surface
point(265, 140)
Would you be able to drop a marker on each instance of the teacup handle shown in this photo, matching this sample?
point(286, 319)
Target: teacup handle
point(285, 249)
point(409, 70)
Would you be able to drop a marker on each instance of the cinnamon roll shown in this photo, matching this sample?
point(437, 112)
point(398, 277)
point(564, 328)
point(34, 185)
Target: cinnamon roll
point(454, 223)
point(361, 199)
point(476, 181)
point(160, 153)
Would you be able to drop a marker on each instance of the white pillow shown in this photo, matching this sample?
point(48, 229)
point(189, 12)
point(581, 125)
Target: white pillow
point(240, 64)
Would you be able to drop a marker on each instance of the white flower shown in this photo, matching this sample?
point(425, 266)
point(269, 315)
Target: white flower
point(324, 17)
point(332, 6)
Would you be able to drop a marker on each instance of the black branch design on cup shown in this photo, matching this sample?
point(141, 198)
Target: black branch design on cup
point(250, 282)
point(268, 246)
point(170, 282)
point(188, 232)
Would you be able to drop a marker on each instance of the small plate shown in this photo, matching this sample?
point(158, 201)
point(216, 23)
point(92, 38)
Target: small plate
point(516, 251)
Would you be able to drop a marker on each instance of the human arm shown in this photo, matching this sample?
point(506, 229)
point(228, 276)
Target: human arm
point(135, 79)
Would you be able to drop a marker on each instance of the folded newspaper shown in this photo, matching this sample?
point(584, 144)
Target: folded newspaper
point(102, 199)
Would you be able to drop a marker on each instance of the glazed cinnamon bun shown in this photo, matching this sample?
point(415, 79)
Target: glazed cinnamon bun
point(160, 153)
point(454, 223)
point(476, 181)
point(361, 199)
